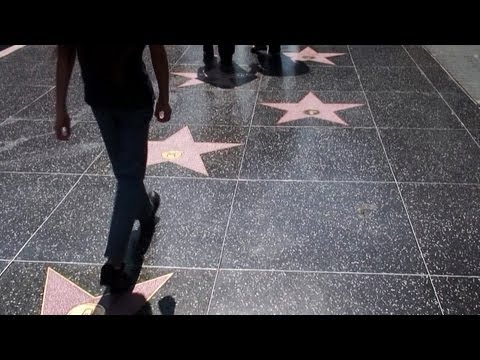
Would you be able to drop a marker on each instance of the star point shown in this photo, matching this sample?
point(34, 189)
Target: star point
point(193, 78)
point(308, 54)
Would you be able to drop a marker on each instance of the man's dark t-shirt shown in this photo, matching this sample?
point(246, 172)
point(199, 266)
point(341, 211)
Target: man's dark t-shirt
point(115, 76)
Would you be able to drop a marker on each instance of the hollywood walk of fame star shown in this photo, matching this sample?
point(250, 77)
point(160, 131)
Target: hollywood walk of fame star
point(63, 297)
point(311, 106)
point(217, 78)
point(194, 80)
point(181, 149)
point(308, 54)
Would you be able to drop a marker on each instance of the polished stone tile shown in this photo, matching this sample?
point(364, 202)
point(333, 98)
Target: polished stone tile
point(212, 107)
point(32, 146)
point(446, 219)
point(395, 109)
point(44, 108)
point(420, 56)
point(321, 227)
point(27, 200)
point(315, 154)
point(3, 265)
point(432, 155)
point(380, 55)
point(174, 52)
point(78, 229)
point(33, 65)
point(242, 292)
point(185, 293)
point(442, 81)
point(458, 296)
point(193, 217)
point(32, 53)
point(15, 98)
point(27, 72)
point(467, 110)
point(316, 78)
point(383, 78)
point(476, 135)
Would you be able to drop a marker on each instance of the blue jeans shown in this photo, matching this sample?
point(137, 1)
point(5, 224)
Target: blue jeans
point(125, 133)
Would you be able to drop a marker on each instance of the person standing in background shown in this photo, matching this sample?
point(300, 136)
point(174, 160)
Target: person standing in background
point(225, 51)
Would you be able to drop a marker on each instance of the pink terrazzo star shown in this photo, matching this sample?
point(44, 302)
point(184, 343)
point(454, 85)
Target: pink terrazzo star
point(308, 54)
point(63, 297)
point(311, 106)
point(194, 80)
point(181, 149)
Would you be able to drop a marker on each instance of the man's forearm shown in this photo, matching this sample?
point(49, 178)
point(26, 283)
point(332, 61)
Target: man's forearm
point(160, 66)
point(65, 62)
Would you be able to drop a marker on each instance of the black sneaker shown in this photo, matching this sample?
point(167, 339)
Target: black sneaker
point(208, 60)
point(147, 229)
point(106, 275)
point(226, 66)
point(117, 280)
point(155, 199)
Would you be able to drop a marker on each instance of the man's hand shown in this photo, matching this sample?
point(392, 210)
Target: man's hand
point(66, 55)
point(163, 112)
point(62, 126)
point(160, 66)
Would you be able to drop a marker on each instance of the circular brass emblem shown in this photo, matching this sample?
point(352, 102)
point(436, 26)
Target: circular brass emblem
point(172, 154)
point(87, 309)
point(311, 112)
